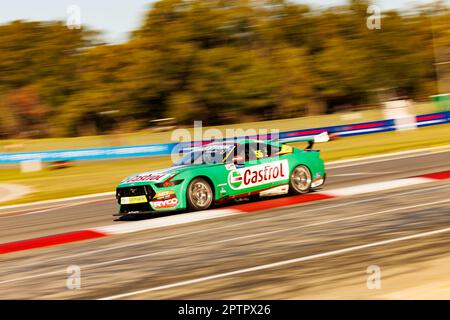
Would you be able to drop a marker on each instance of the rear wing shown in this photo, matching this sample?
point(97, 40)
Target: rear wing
point(322, 137)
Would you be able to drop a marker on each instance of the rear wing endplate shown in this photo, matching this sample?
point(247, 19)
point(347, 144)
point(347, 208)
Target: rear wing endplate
point(322, 137)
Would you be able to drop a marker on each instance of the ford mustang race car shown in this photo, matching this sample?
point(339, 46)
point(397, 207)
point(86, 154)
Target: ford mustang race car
point(223, 171)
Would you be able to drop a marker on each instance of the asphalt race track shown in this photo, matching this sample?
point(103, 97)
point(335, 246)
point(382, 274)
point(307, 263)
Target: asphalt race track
point(312, 250)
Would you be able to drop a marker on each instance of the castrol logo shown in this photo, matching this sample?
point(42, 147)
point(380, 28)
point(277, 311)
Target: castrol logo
point(145, 177)
point(258, 175)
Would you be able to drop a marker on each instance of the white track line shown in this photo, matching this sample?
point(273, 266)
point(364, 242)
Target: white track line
point(385, 157)
point(166, 221)
point(6, 215)
point(376, 187)
point(335, 220)
point(89, 196)
point(276, 264)
point(98, 264)
point(109, 262)
point(363, 174)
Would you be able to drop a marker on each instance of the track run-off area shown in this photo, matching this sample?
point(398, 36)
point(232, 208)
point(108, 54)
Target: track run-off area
point(392, 212)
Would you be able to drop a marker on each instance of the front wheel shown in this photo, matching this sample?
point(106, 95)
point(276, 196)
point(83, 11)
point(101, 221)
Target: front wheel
point(199, 194)
point(300, 181)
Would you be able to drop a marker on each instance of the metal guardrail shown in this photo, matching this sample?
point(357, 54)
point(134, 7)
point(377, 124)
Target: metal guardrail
point(166, 148)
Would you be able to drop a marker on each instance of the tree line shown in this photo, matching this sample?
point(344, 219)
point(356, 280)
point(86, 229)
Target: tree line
point(219, 61)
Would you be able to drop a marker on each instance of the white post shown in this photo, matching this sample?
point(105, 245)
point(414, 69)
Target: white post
point(31, 166)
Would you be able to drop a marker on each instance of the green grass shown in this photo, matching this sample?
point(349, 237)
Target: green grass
point(149, 137)
point(87, 178)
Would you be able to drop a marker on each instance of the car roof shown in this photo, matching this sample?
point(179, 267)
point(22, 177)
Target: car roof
point(236, 142)
point(244, 141)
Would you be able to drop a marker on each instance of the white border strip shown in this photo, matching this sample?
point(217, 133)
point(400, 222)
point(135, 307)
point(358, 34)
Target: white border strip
point(345, 133)
point(430, 122)
point(165, 221)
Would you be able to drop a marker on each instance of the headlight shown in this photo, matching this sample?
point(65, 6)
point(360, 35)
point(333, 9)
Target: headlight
point(168, 183)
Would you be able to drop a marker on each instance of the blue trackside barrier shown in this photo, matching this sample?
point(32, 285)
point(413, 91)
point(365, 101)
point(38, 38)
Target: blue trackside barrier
point(167, 148)
point(346, 130)
point(89, 154)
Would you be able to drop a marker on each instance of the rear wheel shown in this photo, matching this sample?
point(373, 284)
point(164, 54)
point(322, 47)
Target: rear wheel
point(300, 181)
point(199, 194)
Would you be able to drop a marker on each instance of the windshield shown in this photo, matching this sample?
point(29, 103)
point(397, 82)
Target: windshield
point(210, 154)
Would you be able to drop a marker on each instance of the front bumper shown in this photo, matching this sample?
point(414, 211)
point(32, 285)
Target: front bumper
point(134, 199)
point(147, 198)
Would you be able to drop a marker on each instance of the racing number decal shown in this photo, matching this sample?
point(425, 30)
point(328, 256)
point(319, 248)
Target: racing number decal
point(259, 154)
point(258, 175)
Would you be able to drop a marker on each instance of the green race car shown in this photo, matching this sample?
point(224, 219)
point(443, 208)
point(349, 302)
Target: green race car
point(223, 171)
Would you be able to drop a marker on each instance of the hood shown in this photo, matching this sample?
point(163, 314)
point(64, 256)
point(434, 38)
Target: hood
point(152, 176)
point(161, 175)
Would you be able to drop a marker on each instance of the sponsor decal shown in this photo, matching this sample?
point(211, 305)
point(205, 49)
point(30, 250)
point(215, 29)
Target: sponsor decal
point(258, 175)
point(167, 194)
point(165, 199)
point(259, 154)
point(133, 200)
point(230, 166)
point(156, 177)
point(163, 204)
point(285, 149)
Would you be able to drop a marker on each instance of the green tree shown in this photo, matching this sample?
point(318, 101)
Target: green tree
point(218, 61)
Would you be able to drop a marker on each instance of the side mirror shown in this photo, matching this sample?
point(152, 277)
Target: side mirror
point(238, 159)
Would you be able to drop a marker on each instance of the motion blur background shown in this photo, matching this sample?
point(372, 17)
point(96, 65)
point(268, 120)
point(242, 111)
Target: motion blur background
point(217, 61)
point(87, 79)
point(105, 77)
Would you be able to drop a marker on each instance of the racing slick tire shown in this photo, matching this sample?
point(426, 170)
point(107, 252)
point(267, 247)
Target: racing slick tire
point(199, 195)
point(300, 180)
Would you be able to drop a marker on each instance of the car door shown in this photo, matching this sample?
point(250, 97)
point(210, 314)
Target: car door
point(267, 156)
point(255, 169)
